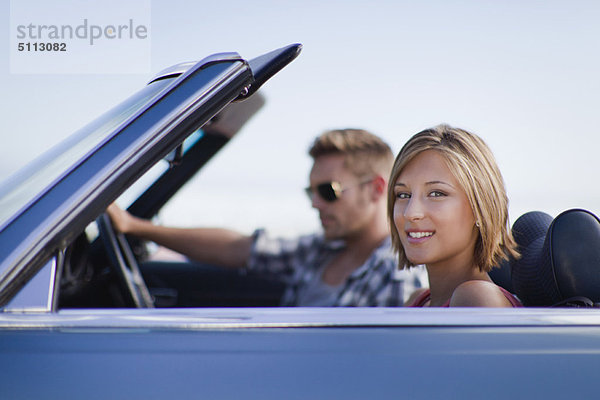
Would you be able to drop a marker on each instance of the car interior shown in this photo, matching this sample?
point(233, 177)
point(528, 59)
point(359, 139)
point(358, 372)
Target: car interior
point(105, 269)
point(557, 268)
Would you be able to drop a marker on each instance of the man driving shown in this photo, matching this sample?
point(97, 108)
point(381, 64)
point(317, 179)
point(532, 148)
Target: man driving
point(350, 263)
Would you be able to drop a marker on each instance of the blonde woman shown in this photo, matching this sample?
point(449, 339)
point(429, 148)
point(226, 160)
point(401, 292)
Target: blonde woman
point(448, 210)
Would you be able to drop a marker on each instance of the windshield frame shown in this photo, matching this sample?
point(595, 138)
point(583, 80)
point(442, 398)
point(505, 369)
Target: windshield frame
point(26, 186)
point(85, 188)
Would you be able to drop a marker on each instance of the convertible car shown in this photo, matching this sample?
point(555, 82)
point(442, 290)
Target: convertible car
point(86, 312)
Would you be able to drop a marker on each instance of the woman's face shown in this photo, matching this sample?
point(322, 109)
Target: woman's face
point(432, 214)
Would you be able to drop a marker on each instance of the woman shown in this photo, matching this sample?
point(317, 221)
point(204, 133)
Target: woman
point(448, 209)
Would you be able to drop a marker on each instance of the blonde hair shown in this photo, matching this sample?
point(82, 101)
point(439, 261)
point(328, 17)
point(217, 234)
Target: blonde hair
point(365, 153)
point(472, 163)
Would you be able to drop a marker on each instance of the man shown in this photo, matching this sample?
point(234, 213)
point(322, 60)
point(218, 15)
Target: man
point(349, 264)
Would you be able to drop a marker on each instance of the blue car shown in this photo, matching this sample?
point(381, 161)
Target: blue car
point(89, 313)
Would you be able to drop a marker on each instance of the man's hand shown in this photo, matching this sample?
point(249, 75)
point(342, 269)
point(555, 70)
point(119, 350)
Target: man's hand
point(121, 219)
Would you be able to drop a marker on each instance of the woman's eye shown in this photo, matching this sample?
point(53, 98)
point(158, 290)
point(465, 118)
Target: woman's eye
point(403, 195)
point(437, 193)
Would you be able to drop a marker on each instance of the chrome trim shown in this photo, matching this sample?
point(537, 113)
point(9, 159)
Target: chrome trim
point(180, 68)
point(55, 275)
point(172, 71)
point(299, 317)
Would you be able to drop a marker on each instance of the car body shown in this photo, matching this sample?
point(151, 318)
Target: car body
point(78, 319)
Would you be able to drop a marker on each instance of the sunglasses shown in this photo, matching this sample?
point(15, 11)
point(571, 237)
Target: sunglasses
point(329, 191)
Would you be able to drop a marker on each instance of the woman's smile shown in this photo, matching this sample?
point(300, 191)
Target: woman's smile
point(418, 237)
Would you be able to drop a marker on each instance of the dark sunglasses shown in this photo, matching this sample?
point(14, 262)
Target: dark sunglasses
point(329, 191)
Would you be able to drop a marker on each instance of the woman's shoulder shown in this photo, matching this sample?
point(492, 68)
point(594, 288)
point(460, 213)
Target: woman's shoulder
point(479, 293)
point(418, 298)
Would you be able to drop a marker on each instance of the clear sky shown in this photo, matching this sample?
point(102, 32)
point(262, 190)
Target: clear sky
point(524, 75)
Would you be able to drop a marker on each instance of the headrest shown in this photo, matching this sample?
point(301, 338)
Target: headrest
point(560, 258)
point(501, 275)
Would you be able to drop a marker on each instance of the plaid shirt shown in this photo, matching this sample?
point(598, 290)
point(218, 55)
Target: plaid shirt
point(378, 282)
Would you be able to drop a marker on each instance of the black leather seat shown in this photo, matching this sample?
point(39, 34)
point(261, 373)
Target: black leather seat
point(560, 259)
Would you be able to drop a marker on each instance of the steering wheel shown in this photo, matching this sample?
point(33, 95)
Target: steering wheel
point(123, 261)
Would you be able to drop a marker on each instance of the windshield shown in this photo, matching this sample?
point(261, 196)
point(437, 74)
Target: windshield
point(141, 185)
point(17, 192)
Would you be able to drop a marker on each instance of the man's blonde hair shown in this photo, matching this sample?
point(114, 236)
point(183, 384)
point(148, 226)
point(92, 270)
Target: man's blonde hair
point(365, 153)
point(472, 163)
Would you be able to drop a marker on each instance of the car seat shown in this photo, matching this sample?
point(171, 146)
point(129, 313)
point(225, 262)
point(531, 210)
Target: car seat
point(501, 275)
point(560, 259)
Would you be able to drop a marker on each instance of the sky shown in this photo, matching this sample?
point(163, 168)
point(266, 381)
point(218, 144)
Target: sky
point(523, 75)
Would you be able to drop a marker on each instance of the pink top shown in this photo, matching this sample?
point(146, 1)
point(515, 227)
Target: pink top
point(426, 295)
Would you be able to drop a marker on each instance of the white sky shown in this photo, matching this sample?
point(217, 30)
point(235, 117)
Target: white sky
point(524, 75)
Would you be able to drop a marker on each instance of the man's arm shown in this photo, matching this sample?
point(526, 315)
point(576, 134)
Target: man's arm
point(216, 246)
